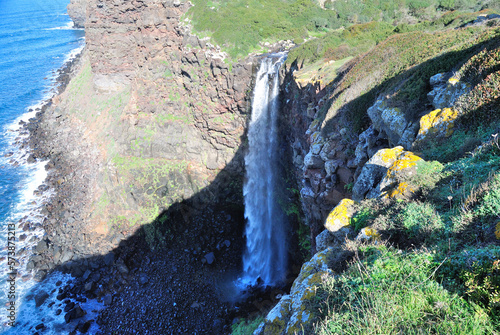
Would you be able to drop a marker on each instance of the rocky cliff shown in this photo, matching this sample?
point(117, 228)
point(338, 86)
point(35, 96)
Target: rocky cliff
point(161, 110)
point(351, 135)
point(77, 10)
point(145, 148)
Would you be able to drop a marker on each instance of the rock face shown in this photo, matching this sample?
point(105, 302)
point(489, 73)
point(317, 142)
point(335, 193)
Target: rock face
point(77, 11)
point(157, 116)
point(392, 122)
point(445, 90)
point(321, 165)
point(382, 174)
point(439, 123)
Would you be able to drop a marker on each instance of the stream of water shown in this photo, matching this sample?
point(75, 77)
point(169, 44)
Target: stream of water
point(265, 259)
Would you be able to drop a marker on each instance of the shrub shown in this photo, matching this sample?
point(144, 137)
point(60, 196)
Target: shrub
point(428, 173)
point(475, 274)
point(421, 221)
point(362, 218)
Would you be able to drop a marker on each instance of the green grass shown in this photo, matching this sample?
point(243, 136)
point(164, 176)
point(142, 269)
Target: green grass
point(246, 327)
point(401, 67)
point(241, 26)
point(393, 292)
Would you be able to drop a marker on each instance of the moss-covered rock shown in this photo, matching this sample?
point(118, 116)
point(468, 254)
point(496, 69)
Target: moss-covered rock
point(295, 313)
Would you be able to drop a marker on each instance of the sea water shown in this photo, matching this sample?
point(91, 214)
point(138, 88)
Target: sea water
point(36, 38)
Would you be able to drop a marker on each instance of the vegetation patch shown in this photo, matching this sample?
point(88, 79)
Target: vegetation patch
point(393, 292)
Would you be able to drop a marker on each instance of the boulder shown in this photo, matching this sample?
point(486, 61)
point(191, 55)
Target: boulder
point(339, 218)
point(438, 123)
point(373, 171)
point(40, 298)
point(445, 92)
point(393, 122)
point(383, 175)
point(295, 313)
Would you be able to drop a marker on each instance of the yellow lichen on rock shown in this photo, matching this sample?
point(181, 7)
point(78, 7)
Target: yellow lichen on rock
point(438, 122)
point(400, 191)
point(340, 216)
point(497, 231)
point(453, 81)
point(391, 185)
point(368, 234)
point(389, 155)
point(404, 161)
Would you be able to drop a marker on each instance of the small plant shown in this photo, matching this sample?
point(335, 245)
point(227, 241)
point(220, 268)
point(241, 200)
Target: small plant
point(421, 221)
point(348, 187)
point(245, 326)
point(474, 273)
point(362, 218)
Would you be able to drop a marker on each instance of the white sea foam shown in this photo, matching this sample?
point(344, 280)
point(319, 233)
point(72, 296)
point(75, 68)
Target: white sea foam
point(30, 315)
point(28, 210)
point(69, 26)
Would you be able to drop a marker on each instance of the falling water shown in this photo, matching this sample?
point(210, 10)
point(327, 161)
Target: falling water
point(265, 258)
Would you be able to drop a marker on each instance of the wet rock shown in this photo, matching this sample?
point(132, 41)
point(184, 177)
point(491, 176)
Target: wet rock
point(84, 327)
point(107, 300)
point(40, 298)
point(210, 258)
point(74, 314)
point(143, 279)
point(69, 306)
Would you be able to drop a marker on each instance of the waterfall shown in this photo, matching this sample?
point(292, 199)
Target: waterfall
point(265, 258)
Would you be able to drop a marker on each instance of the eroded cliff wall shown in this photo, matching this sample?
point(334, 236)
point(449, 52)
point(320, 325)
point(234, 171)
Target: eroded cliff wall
point(152, 117)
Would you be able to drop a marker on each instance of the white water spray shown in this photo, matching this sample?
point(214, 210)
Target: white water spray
point(265, 258)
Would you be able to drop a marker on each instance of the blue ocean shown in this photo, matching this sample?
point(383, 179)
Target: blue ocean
point(36, 39)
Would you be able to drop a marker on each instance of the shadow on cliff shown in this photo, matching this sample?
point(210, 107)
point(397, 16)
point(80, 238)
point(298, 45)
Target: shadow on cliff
point(176, 274)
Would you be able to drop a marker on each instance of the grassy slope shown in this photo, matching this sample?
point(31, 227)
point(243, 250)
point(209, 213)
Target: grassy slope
point(438, 271)
point(240, 26)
